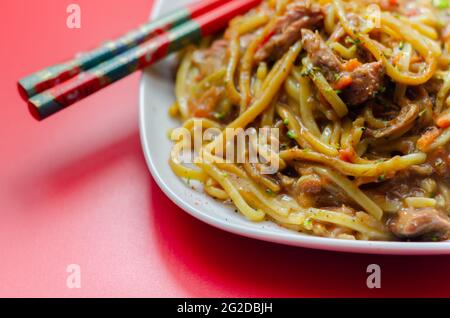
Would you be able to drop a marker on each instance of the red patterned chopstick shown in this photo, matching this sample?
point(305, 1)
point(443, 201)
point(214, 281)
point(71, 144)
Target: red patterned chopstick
point(86, 83)
point(56, 74)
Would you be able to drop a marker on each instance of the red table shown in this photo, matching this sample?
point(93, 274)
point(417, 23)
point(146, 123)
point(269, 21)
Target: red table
point(75, 190)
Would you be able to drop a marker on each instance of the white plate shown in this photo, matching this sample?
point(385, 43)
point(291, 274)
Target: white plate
point(156, 95)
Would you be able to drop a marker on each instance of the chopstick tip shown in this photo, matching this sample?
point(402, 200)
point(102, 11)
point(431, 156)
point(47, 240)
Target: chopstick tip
point(34, 111)
point(22, 91)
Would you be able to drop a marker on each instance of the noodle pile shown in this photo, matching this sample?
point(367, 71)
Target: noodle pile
point(359, 91)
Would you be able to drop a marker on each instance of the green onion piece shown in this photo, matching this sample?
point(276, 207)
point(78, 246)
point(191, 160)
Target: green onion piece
point(291, 134)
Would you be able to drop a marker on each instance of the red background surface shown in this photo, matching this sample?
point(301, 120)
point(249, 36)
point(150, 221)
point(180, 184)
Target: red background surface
point(76, 189)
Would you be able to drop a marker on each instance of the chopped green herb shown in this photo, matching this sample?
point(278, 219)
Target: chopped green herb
point(349, 40)
point(310, 71)
point(308, 224)
point(306, 71)
point(382, 178)
point(441, 4)
point(286, 121)
point(219, 116)
point(337, 76)
point(439, 163)
point(291, 134)
point(269, 191)
point(381, 90)
point(422, 113)
point(401, 45)
point(317, 69)
point(338, 91)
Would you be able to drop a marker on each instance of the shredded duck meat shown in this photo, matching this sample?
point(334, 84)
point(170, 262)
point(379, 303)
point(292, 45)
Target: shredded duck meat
point(288, 28)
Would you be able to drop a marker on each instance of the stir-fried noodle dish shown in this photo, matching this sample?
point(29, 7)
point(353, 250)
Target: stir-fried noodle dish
point(359, 94)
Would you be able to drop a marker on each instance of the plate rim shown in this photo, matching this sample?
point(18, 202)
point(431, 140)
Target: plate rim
point(294, 239)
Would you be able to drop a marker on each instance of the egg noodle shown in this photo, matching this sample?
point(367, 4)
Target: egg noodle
point(359, 91)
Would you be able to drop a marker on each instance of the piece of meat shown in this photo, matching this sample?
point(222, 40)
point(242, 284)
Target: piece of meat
point(255, 171)
point(305, 190)
point(403, 185)
point(406, 117)
point(367, 81)
point(311, 184)
point(425, 223)
point(321, 54)
point(204, 106)
point(287, 30)
point(433, 86)
point(210, 60)
point(440, 161)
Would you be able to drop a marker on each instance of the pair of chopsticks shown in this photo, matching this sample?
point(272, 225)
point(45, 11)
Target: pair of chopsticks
point(57, 87)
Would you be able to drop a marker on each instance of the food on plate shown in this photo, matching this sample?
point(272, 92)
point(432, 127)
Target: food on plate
point(358, 92)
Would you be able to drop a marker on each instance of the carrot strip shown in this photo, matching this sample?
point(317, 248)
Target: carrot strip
point(347, 155)
point(443, 121)
point(427, 138)
point(351, 65)
point(343, 82)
